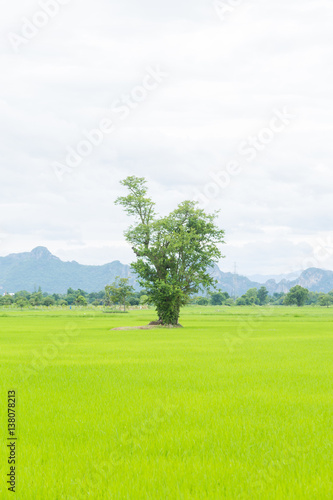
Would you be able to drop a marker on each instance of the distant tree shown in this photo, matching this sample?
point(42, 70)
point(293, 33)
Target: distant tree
point(22, 293)
point(133, 301)
point(313, 298)
point(36, 299)
point(230, 302)
point(144, 299)
point(250, 298)
point(296, 296)
point(48, 301)
point(71, 298)
point(326, 300)
point(262, 295)
point(118, 292)
point(21, 302)
point(218, 298)
point(81, 301)
point(202, 301)
point(241, 301)
point(278, 298)
point(6, 300)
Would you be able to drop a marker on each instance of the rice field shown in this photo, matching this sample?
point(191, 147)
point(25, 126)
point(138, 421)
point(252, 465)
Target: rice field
point(236, 405)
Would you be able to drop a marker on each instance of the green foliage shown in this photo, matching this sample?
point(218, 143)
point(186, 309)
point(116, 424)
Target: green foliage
point(36, 298)
point(81, 301)
point(230, 302)
point(48, 301)
point(250, 298)
point(218, 298)
point(296, 296)
point(202, 301)
point(144, 299)
point(21, 302)
point(6, 300)
point(262, 295)
point(325, 300)
point(174, 253)
point(118, 292)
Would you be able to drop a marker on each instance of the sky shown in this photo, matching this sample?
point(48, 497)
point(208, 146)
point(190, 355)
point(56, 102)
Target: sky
point(225, 102)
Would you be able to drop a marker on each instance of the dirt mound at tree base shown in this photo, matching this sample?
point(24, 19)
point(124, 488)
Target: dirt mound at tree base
point(151, 326)
point(159, 323)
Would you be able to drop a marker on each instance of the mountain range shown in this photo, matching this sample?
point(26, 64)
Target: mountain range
point(39, 268)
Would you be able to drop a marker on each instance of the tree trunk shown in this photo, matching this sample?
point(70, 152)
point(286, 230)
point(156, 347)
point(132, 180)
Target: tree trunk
point(168, 313)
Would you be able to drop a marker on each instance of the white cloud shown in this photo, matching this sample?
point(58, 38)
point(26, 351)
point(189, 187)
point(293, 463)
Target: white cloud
point(226, 78)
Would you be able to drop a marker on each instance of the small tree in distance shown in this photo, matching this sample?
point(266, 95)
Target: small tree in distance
point(262, 295)
point(48, 301)
point(81, 301)
point(296, 296)
point(118, 292)
point(325, 300)
point(218, 298)
point(174, 253)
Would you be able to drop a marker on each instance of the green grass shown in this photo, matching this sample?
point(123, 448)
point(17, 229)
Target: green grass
point(237, 405)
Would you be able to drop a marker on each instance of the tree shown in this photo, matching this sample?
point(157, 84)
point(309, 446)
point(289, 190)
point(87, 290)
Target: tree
point(144, 299)
point(36, 299)
point(297, 295)
point(250, 298)
point(81, 301)
point(325, 300)
point(118, 292)
point(219, 298)
point(202, 301)
point(21, 302)
point(48, 301)
point(174, 253)
point(262, 295)
point(6, 300)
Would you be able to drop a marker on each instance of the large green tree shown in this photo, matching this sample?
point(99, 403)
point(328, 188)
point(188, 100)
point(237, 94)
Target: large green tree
point(174, 253)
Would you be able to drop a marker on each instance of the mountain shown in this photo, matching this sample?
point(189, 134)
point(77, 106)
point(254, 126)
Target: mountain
point(29, 270)
point(233, 284)
point(315, 280)
point(263, 278)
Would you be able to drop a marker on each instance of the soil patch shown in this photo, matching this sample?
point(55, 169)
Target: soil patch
point(151, 326)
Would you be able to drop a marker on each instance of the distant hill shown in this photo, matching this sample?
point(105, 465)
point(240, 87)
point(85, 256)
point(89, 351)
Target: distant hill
point(262, 278)
point(29, 270)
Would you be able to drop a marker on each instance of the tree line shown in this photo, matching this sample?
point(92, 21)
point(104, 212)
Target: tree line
point(120, 293)
point(71, 298)
point(297, 295)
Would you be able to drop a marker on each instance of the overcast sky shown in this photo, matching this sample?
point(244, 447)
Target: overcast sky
point(186, 91)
